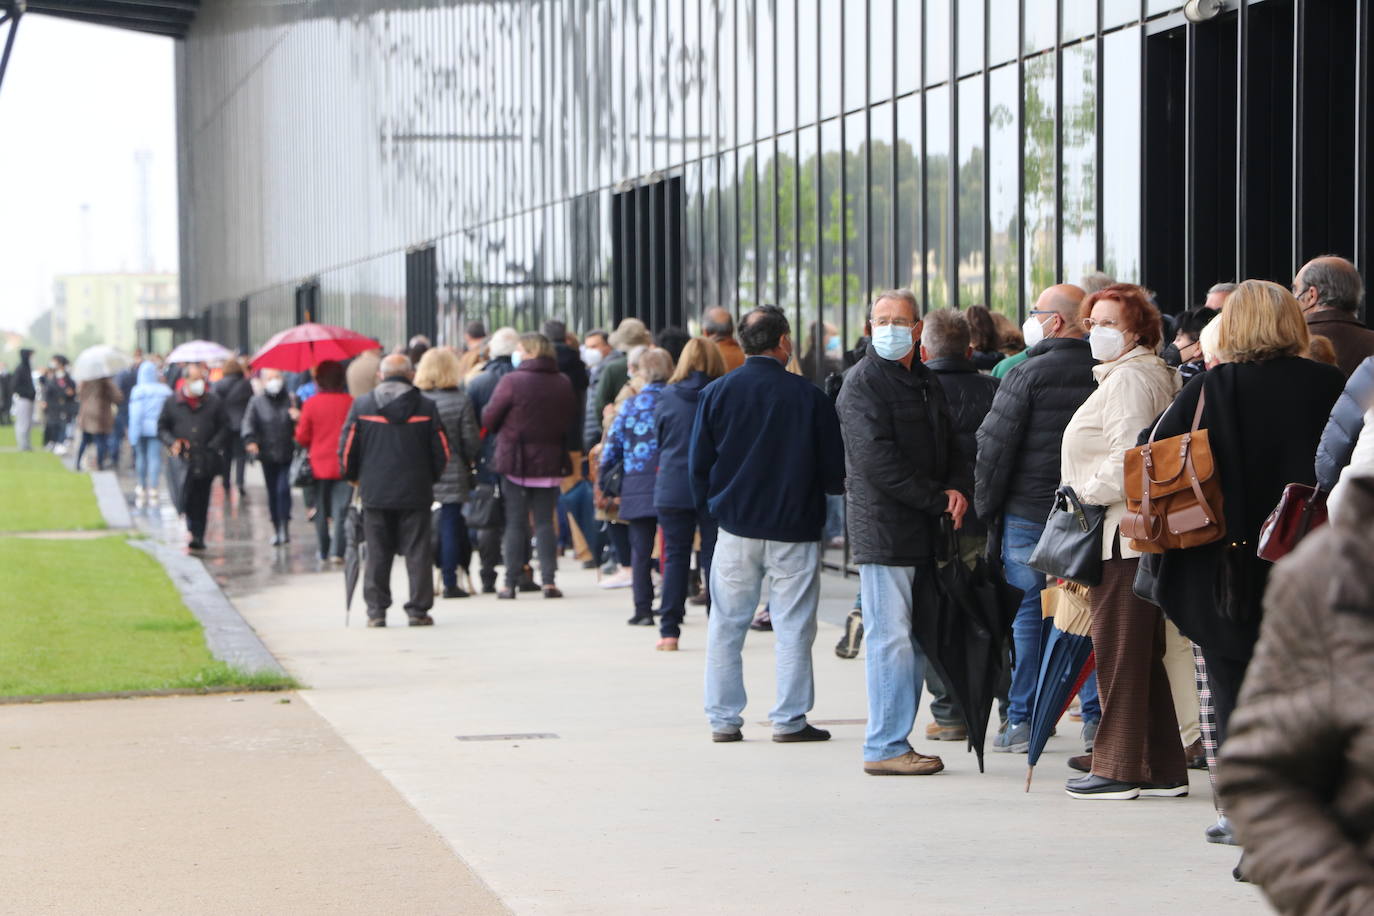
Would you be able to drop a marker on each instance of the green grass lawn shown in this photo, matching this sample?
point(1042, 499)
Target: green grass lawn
point(7, 438)
point(99, 615)
point(38, 493)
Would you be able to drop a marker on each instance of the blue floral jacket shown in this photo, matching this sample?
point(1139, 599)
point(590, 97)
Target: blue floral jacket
point(632, 440)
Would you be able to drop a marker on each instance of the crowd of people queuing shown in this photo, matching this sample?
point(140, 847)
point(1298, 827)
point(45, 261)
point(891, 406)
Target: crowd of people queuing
point(714, 470)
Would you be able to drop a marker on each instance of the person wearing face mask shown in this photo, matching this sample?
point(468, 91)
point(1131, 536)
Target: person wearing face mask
point(906, 469)
point(59, 398)
point(1188, 341)
point(194, 426)
point(1017, 473)
point(268, 431)
point(765, 449)
point(1136, 749)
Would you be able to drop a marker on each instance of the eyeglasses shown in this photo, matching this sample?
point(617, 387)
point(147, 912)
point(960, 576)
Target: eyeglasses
point(893, 322)
point(1091, 323)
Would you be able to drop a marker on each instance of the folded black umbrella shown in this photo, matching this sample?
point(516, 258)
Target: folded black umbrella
point(961, 620)
point(176, 481)
point(355, 551)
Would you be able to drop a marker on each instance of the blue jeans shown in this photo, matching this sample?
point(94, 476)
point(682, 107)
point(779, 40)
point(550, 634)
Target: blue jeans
point(834, 516)
point(147, 461)
point(578, 503)
point(679, 527)
point(894, 664)
point(737, 572)
point(455, 549)
point(278, 479)
point(1088, 702)
point(1019, 537)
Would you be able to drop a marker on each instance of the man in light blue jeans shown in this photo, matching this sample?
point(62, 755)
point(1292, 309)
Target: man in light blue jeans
point(765, 451)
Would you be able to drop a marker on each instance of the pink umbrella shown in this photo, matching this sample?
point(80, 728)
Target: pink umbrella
point(307, 345)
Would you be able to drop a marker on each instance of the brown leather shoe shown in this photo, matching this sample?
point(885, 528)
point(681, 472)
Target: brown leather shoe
point(908, 764)
point(1083, 763)
point(422, 620)
point(937, 732)
point(1195, 755)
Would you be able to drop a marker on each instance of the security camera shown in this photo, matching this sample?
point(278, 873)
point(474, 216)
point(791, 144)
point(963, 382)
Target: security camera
point(1202, 10)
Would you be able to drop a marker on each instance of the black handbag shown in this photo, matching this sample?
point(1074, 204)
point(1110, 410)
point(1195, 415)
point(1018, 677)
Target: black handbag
point(483, 508)
point(1071, 546)
point(302, 474)
point(612, 479)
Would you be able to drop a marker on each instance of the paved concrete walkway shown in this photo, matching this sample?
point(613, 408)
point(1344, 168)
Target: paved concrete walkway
point(631, 808)
point(210, 805)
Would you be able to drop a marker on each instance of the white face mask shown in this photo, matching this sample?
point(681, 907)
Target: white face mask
point(273, 386)
point(591, 357)
point(195, 388)
point(1106, 343)
point(1033, 331)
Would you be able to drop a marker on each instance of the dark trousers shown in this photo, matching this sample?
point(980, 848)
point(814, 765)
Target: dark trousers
point(332, 497)
point(235, 460)
point(102, 446)
point(455, 550)
point(578, 503)
point(642, 532)
point(1224, 677)
point(278, 478)
point(196, 504)
point(389, 532)
point(520, 503)
point(679, 526)
point(618, 533)
point(489, 550)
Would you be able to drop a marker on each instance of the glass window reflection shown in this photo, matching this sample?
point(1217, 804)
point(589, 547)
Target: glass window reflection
point(1038, 151)
point(882, 273)
point(748, 265)
point(970, 193)
point(1004, 167)
point(1121, 155)
point(910, 264)
point(856, 229)
point(1039, 25)
point(938, 247)
point(937, 42)
point(830, 35)
point(1079, 145)
point(855, 55)
point(907, 57)
point(1119, 12)
point(786, 54)
point(972, 32)
point(808, 71)
point(880, 50)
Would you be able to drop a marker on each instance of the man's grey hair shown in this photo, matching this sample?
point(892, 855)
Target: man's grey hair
point(632, 358)
point(503, 342)
point(945, 334)
point(716, 322)
point(1227, 288)
point(1337, 282)
point(655, 365)
point(397, 365)
point(1095, 281)
point(904, 295)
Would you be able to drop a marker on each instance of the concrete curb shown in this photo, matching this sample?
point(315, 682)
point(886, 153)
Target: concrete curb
point(111, 499)
point(228, 635)
point(135, 694)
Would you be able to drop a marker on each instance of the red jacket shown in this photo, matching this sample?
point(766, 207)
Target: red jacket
point(322, 419)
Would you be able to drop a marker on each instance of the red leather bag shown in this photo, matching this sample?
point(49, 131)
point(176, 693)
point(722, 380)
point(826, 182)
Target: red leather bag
point(1301, 510)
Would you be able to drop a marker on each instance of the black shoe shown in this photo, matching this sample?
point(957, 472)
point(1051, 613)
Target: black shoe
point(641, 620)
point(196, 544)
point(422, 620)
point(243, 493)
point(763, 623)
point(453, 591)
point(848, 646)
point(506, 594)
point(727, 737)
point(1092, 786)
point(590, 564)
point(552, 591)
point(807, 733)
point(488, 588)
point(376, 621)
point(528, 585)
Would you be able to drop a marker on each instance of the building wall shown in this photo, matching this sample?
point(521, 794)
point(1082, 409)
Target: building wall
point(91, 309)
point(974, 150)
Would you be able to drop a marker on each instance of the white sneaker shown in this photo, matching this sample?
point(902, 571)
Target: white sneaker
point(622, 579)
point(152, 498)
point(140, 500)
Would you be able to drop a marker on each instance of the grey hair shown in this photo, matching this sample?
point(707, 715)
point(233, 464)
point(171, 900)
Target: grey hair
point(655, 365)
point(1337, 282)
point(716, 327)
point(945, 334)
point(397, 364)
point(903, 295)
point(632, 358)
point(1227, 288)
point(1094, 281)
point(503, 342)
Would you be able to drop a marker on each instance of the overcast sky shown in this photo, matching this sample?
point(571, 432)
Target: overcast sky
point(76, 104)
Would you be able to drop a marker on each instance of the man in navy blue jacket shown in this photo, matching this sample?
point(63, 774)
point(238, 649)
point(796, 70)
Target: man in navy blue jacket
point(765, 450)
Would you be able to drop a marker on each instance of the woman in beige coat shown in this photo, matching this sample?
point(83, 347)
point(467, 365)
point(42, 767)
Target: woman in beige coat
point(1137, 751)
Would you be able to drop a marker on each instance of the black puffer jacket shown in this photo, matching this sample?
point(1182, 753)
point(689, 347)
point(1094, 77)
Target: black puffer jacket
point(267, 423)
point(970, 395)
point(234, 391)
point(393, 445)
point(1344, 427)
point(1019, 442)
point(901, 453)
point(479, 393)
point(464, 443)
point(202, 424)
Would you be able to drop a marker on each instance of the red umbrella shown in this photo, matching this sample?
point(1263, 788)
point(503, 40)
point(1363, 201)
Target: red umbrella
point(307, 345)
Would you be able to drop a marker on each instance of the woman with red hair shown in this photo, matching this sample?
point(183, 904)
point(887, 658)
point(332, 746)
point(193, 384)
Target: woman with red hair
point(1136, 751)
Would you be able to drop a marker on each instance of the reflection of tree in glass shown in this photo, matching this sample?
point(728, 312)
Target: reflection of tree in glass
point(1038, 147)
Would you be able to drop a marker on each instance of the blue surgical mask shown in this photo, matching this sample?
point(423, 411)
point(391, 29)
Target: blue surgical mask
point(833, 345)
point(515, 359)
point(892, 342)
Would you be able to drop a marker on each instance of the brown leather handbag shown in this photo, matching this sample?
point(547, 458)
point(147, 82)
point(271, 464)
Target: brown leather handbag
point(1173, 492)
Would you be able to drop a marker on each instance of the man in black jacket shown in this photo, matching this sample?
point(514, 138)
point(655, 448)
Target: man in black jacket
point(1018, 471)
point(24, 395)
point(499, 349)
point(905, 470)
point(393, 446)
point(194, 426)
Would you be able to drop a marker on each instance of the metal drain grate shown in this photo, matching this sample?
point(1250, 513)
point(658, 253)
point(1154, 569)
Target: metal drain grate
point(528, 736)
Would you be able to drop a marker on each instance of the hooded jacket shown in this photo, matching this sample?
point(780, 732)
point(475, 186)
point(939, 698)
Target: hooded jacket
point(902, 451)
point(23, 376)
point(235, 391)
point(267, 423)
point(677, 409)
point(145, 402)
point(1019, 443)
point(393, 446)
point(529, 416)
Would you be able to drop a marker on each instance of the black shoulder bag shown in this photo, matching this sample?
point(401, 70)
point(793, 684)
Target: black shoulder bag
point(1071, 547)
